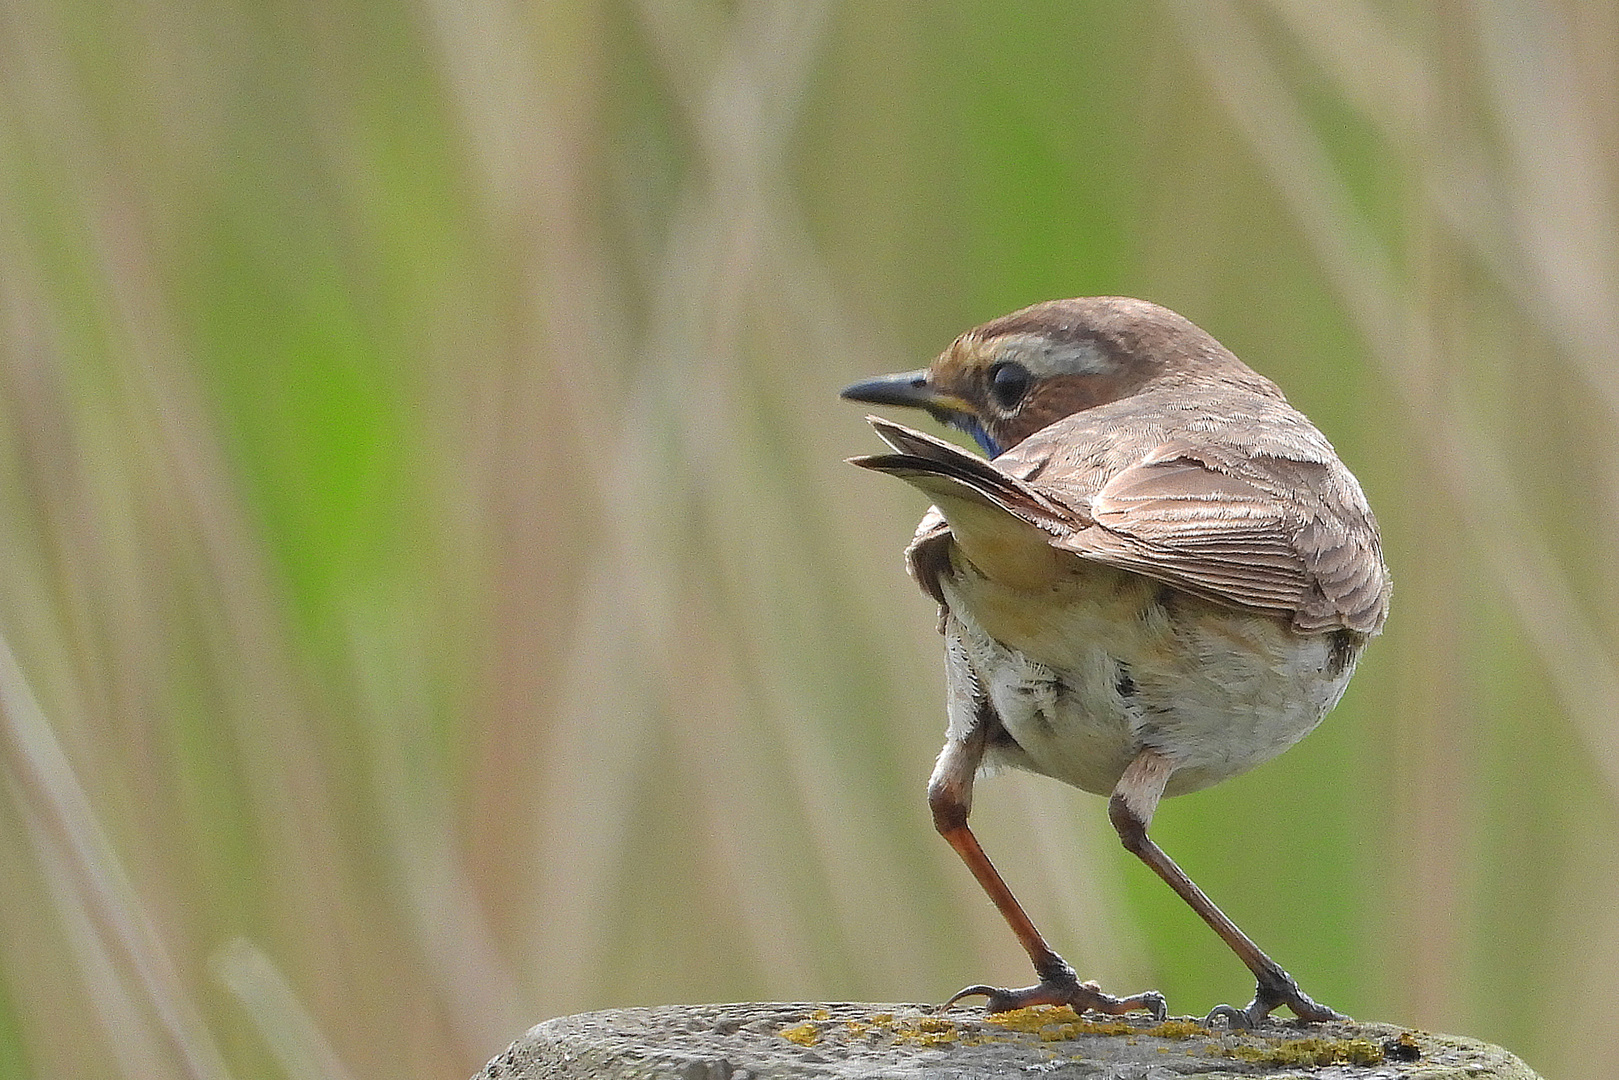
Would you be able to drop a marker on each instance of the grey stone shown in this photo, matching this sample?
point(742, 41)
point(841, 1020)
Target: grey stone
point(787, 1041)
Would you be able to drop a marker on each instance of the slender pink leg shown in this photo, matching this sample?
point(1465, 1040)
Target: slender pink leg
point(1135, 799)
point(950, 796)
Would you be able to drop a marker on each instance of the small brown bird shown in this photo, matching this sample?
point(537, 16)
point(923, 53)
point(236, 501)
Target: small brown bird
point(1163, 578)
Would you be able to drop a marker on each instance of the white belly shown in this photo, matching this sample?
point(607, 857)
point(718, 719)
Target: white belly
point(1111, 663)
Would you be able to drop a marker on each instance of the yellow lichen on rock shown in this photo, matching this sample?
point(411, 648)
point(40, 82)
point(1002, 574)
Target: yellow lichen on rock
point(1310, 1052)
point(805, 1034)
point(1055, 1023)
point(929, 1031)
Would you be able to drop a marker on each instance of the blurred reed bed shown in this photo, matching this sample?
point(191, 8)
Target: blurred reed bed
point(434, 600)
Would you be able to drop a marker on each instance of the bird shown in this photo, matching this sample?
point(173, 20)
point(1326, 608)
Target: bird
point(1160, 576)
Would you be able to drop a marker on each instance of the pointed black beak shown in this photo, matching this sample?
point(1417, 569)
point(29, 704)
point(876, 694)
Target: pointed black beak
point(908, 388)
point(912, 389)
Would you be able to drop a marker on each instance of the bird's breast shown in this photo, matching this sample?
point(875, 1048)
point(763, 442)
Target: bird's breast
point(1103, 663)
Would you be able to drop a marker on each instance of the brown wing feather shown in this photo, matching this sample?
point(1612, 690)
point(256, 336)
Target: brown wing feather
point(1251, 529)
point(1285, 535)
point(1003, 524)
point(921, 452)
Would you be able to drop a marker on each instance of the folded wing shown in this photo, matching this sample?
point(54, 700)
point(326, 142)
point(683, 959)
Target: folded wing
point(1004, 526)
point(1254, 531)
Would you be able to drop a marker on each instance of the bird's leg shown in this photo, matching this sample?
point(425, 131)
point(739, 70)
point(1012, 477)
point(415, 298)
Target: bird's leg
point(1134, 800)
point(950, 797)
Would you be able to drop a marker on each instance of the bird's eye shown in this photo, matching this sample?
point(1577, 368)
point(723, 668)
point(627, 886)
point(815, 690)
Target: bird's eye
point(1008, 382)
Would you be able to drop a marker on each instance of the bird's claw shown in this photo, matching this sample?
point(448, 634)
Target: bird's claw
point(1064, 990)
point(1283, 991)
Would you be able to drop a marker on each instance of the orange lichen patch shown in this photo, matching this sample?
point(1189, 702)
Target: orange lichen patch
point(1310, 1052)
point(805, 1034)
point(1054, 1023)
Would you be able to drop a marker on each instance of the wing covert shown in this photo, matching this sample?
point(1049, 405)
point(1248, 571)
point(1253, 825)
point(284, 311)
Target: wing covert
point(1283, 535)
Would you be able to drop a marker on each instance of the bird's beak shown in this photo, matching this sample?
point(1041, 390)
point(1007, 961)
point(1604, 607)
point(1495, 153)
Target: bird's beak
point(911, 389)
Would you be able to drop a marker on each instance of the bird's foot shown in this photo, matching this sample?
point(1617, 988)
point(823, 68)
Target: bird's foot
point(1059, 985)
point(1267, 996)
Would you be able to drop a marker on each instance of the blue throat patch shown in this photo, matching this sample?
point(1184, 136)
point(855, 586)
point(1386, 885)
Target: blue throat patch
point(971, 426)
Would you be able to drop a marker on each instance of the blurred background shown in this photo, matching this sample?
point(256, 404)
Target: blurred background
point(433, 599)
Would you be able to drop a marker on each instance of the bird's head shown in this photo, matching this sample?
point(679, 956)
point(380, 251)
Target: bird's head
point(1003, 381)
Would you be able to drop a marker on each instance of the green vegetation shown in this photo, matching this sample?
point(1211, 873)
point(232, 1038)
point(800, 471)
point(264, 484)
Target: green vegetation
point(434, 599)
